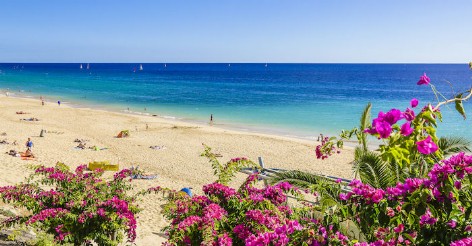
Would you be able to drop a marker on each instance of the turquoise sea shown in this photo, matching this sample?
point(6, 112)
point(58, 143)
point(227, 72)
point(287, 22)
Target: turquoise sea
point(300, 100)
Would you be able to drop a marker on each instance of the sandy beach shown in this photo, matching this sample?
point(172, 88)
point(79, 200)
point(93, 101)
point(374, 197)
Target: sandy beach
point(177, 162)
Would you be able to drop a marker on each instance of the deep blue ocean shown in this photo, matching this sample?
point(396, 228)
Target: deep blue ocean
point(301, 100)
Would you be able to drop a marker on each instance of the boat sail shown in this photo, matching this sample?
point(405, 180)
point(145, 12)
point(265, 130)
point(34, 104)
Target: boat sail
point(140, 67)
point(81, 66)
point(88, 65)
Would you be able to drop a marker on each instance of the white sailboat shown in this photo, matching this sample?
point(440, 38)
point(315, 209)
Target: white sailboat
point(266, 65)
point(165, 64)
point(140, 67)
point(81, 66)
point(88, 66)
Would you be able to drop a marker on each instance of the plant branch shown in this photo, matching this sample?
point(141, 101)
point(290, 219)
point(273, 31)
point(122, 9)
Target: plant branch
point(454, 100)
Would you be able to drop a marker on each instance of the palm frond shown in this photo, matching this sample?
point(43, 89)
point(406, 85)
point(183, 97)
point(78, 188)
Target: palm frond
point(297, 178)
point(372, 170)
point(453, 145)
point(328, 190)
point(364, 123)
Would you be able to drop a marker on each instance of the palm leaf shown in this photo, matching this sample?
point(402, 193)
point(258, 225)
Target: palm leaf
point(453, 145)
point(364, 124)
point(372, 170)
point(327, 189)
point(297, 178)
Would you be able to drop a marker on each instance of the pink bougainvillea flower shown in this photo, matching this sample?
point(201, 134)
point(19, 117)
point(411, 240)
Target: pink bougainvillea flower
point(426, 146)
point(424, 80)
point(414, 102)
point(409, 114)
point(393, 116)
point(383, 128)
point(406, 129)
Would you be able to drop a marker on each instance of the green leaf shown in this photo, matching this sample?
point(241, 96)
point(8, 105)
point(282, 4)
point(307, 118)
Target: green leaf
point(430, 118)
point(460, 107)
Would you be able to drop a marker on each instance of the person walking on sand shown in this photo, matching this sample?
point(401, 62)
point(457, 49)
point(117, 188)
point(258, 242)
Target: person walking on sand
point(211, 119)
point(59, 102)
point(29, 144)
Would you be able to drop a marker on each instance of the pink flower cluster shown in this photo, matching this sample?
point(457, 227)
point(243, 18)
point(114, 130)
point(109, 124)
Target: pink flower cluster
point(367, 192)
point(76, 198)
point(462, 242)
point(122, 210)
point(438, 187)
point(125, 173)
point(46, 214)
point(219, 190)
point(325, 149)
point(382, 125)
point(456, 166)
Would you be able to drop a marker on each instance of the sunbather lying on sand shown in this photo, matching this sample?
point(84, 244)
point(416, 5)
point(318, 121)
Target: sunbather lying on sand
point(31, 119)
point(80, 140)
point(81, 145)
point(96, 148)
point(13, 152)
point(21, 112)
point(158, 147)
point(27, 153)
point(139, 174)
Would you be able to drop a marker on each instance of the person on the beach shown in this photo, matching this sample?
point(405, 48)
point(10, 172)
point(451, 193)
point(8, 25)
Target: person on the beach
point(42, 102)
point(59, 103)
point(28, 153)
point(29, 144)
point(211, 119)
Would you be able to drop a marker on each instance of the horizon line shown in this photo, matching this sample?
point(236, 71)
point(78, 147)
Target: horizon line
point(439, 63)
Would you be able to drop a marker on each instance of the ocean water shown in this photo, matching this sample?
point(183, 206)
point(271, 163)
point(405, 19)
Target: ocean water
point(300, 100)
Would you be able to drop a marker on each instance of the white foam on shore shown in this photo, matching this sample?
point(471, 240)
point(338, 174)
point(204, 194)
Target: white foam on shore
point(257, 129)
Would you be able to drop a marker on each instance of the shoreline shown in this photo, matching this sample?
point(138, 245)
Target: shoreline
point(177, 162)
point(250, 129)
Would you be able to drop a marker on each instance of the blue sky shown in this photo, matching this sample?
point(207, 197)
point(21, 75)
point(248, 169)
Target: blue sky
point(312, 31)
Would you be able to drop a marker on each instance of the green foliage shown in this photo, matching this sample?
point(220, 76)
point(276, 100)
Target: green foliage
point(364, 124)
point(372, 170)
point(326, 189)
point(459, 106)
point(453, 145)
point(226, 172)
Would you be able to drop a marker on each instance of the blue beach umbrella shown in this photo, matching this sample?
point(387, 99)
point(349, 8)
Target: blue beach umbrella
point(187, 191)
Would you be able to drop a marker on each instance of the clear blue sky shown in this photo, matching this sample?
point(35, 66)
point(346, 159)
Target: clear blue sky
point(430, 31)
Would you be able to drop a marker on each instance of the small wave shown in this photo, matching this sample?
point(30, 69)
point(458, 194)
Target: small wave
point(169, 117)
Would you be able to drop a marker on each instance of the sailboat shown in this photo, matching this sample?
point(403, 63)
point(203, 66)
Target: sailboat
point(470, 65)
point(266, 65)
point(140, 67)
point(165, 64)
point(81, 66)
point(88, 66)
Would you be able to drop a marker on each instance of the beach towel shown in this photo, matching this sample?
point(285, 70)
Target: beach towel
point(140, 176)
point(158, 147)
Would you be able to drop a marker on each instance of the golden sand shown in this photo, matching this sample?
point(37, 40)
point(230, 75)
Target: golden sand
point(177, 165)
